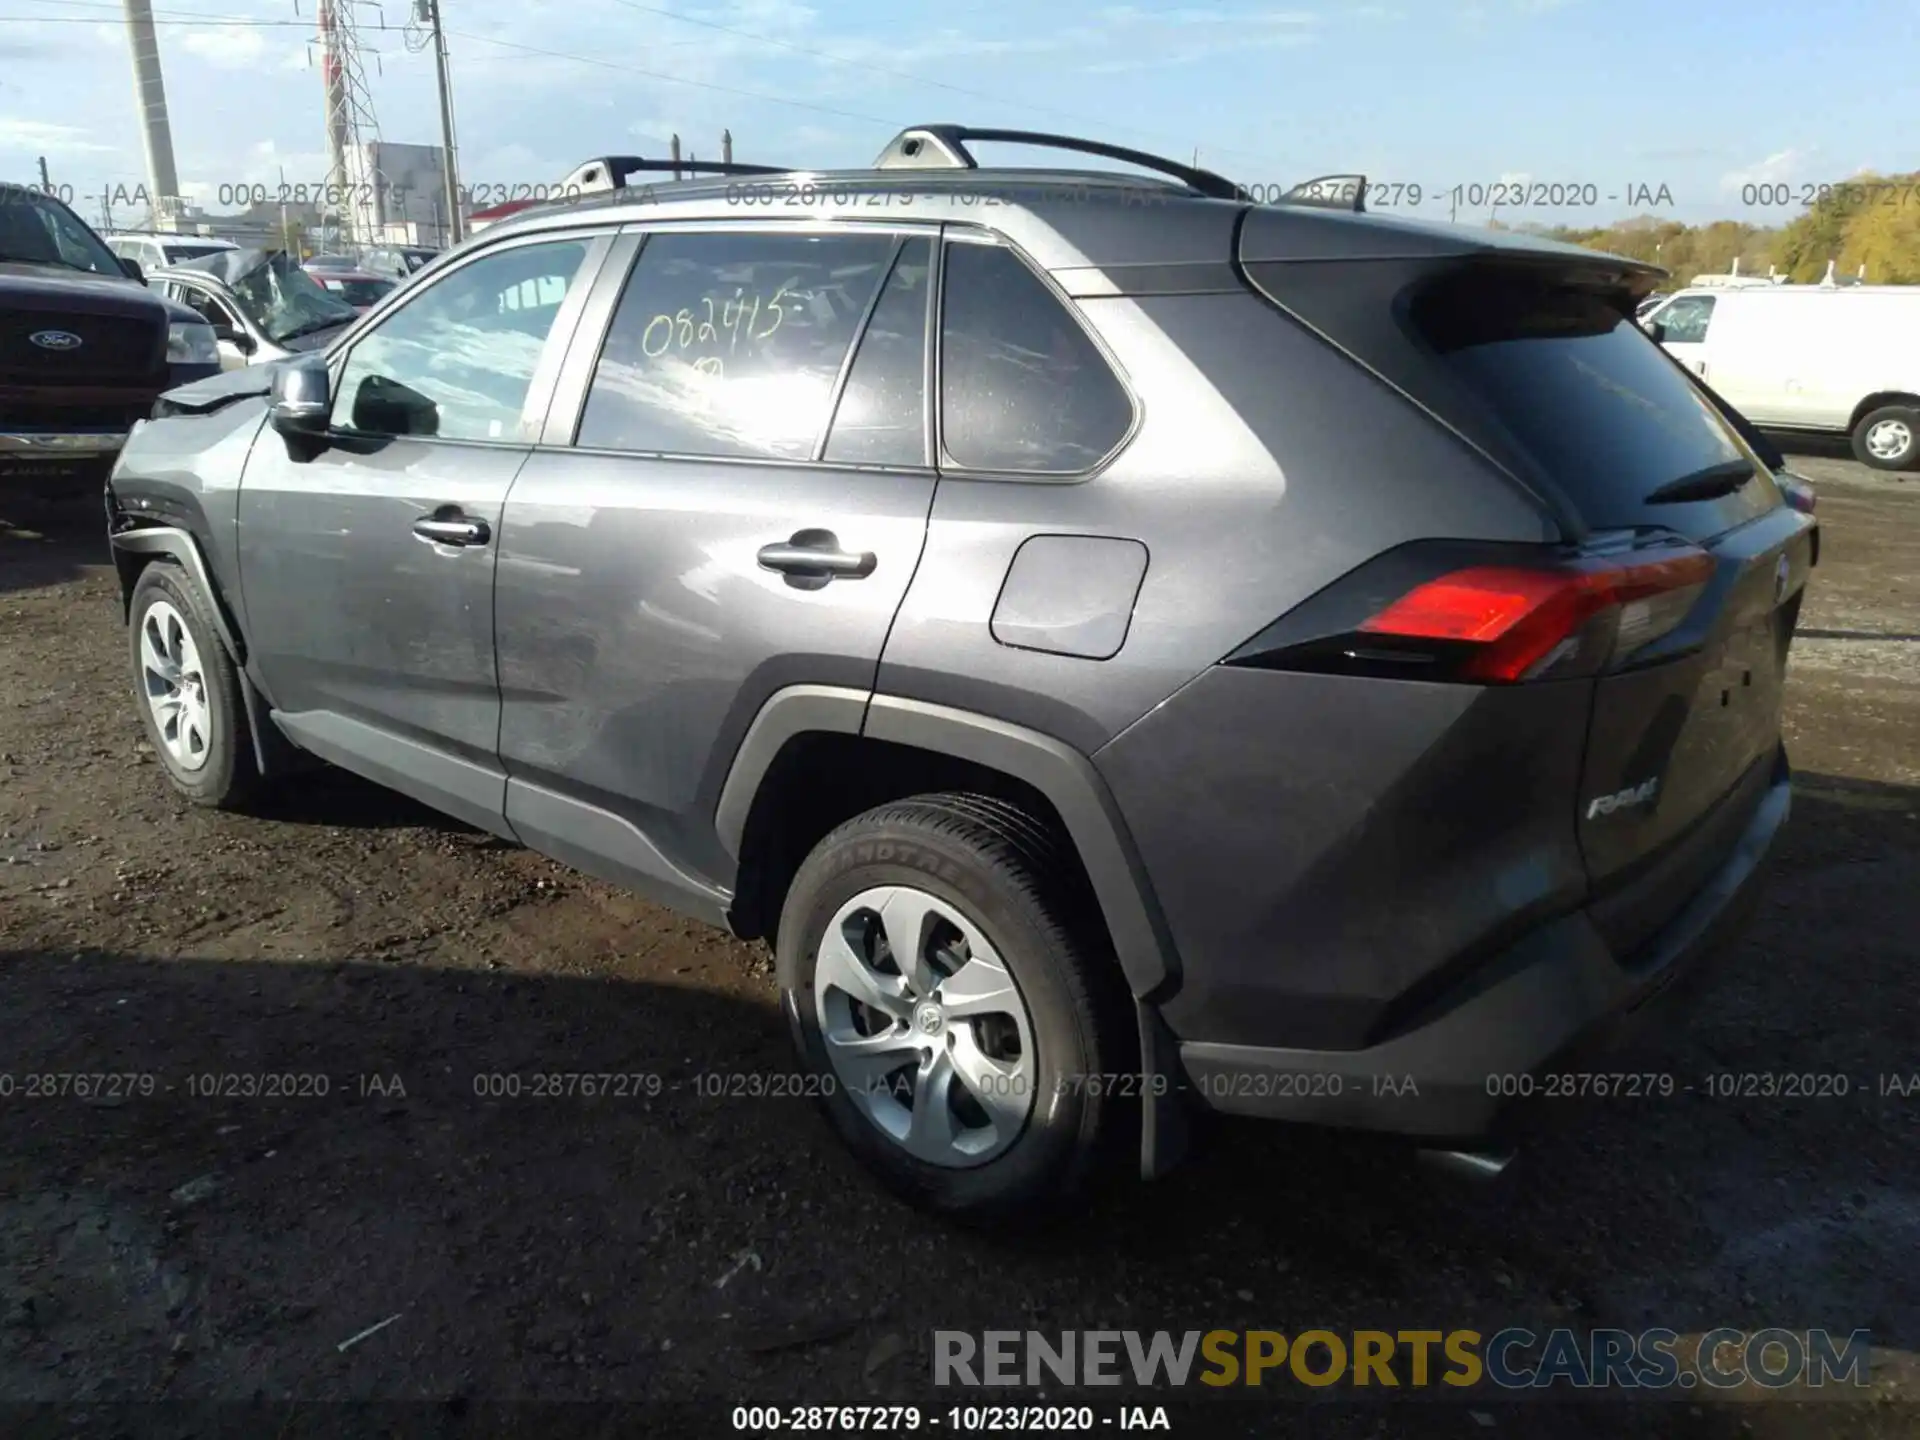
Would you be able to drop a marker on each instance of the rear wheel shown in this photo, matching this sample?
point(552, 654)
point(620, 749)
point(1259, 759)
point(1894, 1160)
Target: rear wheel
point(947, 987)
point(1889, 438)
point(189, 691)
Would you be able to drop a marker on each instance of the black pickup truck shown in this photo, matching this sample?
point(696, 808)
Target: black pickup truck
point(85, 348)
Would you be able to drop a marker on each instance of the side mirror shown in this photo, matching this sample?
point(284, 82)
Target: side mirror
point(132, 267)
point(300, 401)
point(239, 339)
point(1657, 329)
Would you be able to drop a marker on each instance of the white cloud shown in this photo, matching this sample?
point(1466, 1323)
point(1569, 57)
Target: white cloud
point(1781, 165)
point(43, 137)
point(233, 47)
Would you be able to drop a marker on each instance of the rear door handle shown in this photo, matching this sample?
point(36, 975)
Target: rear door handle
point(816, 555)
point(452, 530)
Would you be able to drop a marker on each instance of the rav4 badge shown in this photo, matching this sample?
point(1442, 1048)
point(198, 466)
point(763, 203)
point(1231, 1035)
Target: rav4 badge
point(1624, 799)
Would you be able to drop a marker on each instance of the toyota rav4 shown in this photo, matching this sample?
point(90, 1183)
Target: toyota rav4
point(1127, 648)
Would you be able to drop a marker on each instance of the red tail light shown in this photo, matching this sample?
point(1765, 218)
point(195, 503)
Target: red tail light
point(1519, 622)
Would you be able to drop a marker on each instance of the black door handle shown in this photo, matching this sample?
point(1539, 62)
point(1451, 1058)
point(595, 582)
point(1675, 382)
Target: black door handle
point(452, 529)
point(816, 555)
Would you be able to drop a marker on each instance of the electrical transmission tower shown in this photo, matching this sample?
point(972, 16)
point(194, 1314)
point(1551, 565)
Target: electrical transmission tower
point(352, 131)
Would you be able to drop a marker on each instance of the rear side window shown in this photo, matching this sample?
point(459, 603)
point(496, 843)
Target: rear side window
point(731, 344)
point(1589, 396)
point(881, 417)
point(1687, 319)
point(1023, 388)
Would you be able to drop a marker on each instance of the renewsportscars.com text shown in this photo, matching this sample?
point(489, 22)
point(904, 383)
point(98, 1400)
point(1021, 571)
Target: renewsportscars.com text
point(1514, 1358)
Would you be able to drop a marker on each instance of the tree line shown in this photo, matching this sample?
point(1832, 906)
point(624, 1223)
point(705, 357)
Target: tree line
point(1872, 220)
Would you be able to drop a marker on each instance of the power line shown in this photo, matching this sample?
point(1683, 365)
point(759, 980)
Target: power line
point(213, 21)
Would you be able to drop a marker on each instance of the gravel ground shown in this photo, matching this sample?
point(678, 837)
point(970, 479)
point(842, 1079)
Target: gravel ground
point(686, 1251)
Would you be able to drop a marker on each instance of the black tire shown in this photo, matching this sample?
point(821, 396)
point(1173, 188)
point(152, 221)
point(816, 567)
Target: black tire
point(1008, 875)
point(229, 778)
point(1908, 459)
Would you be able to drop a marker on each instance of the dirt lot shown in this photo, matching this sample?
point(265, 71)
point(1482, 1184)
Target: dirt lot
point(685, 1252)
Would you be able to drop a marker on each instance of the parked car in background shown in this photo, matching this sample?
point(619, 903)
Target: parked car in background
point(357, 288)
point(261, 304)
point(1060, 628)
point(84, 348)
point(1841, 360)
point(154, 251)
point(398, 262)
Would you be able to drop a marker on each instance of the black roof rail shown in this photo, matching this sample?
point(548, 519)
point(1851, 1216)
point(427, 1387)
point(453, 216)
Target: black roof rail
point(944, 147)
point(611, 172)
point(1330, 192)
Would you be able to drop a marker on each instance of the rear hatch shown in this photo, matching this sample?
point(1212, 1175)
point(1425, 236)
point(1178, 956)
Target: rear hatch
point(1530, 353)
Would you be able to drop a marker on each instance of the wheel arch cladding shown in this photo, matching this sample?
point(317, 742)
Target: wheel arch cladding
point(1093, 822)
point(133, 552)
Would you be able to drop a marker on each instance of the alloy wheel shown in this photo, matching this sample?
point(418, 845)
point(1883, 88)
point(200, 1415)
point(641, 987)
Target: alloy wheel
point(175, 687)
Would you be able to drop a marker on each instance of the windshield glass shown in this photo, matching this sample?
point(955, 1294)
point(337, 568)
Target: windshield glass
point(285, 301)
point(40, 230)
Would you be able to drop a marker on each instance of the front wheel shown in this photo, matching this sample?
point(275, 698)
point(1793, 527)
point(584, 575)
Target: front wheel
point(950, 988)
point(188, 691)
point(1889, 438)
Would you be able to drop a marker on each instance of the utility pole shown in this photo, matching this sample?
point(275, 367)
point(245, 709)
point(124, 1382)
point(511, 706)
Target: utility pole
point(46, 184)
point(726, 148)
point(676, 156)
point(429, 12)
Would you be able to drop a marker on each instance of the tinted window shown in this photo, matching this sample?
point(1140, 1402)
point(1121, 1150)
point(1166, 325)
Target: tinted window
point(1687, 319)
point(1589, 396)
point(881, 417)
point(1022, 386)
point(457, 361)
point(731, 344)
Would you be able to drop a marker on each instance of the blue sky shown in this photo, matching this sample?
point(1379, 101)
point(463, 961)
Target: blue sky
point(1699, 98)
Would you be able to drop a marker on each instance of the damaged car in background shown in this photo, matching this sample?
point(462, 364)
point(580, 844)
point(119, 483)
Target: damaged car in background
point(262, 304)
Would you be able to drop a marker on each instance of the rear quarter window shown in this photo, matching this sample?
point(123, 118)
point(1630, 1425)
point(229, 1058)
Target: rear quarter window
point(1023, 388)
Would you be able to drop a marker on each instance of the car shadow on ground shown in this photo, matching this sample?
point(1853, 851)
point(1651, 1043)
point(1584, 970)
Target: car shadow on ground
point(298, 1152)
point(325, 795)
point(48, 544)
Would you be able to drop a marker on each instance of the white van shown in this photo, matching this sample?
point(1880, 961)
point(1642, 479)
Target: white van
point(154, 251)
point(1837, 359)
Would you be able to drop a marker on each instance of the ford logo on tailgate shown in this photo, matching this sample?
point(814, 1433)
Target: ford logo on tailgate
point(56, 339)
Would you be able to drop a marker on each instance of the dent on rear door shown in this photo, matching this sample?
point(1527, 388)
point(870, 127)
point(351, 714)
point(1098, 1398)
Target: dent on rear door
point(638, 634)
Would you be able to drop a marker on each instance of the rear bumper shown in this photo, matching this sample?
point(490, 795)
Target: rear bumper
point(1556, 994)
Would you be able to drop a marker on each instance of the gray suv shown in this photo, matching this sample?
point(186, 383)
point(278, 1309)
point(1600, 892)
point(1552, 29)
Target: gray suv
point(1129, 649)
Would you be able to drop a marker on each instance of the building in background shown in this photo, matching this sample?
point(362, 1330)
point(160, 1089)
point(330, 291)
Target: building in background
point(407, 189)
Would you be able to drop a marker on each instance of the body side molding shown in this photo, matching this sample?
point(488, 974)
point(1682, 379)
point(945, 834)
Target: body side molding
point(461, 788)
